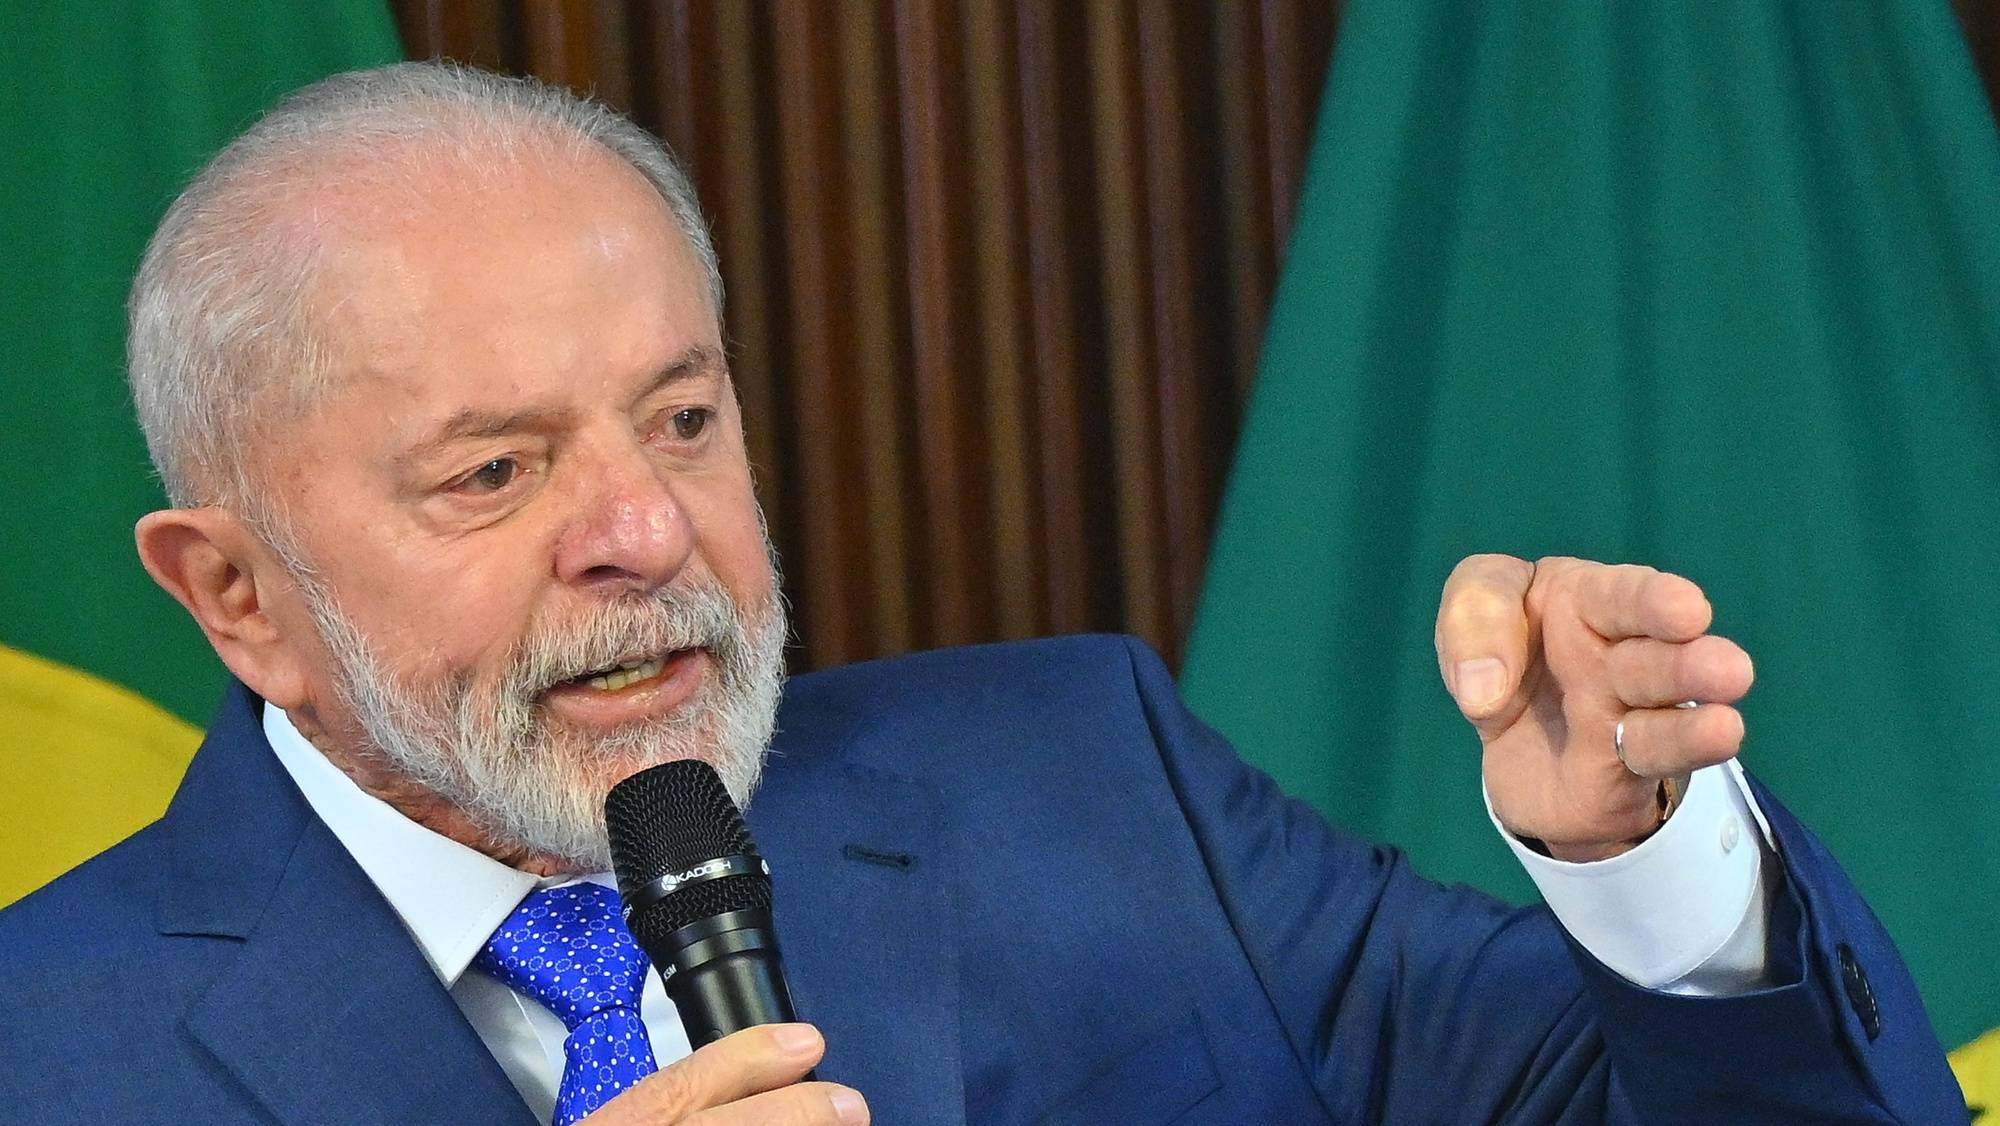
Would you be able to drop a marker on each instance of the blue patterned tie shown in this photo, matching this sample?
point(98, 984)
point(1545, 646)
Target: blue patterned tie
point(568, 948)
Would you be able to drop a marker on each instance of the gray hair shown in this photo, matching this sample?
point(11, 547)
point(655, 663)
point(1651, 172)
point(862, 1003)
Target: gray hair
point(220, 308)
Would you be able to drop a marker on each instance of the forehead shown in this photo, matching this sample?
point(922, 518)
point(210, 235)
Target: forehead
point(539, 259)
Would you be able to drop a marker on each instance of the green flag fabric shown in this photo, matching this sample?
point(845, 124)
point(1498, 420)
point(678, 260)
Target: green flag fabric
point(112, 107)
point(1714, 287)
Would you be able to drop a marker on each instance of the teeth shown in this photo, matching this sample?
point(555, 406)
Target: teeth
point(632, 672)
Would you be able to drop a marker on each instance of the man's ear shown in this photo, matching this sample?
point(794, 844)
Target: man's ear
point(213, 565)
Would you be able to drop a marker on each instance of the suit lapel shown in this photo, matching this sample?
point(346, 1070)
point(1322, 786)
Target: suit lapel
point(869, 931)
point(328, 1013)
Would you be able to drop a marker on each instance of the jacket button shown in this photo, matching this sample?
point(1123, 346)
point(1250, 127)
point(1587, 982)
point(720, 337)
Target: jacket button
point(1860, 994)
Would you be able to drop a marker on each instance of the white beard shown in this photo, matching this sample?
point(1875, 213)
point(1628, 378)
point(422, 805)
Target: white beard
point(489, 751)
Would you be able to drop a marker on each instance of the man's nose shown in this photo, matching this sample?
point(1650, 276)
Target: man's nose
point(629, 529)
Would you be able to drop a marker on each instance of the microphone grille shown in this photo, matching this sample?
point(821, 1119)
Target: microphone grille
point(667, 819)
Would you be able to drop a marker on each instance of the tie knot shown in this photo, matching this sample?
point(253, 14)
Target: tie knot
point(568, 948)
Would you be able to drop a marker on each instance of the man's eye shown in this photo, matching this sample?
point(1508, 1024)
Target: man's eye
point(689, 423)
point(494, 475)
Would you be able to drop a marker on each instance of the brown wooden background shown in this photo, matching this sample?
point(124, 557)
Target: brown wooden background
point(997, 269)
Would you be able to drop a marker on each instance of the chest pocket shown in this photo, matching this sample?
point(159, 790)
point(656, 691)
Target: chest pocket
point(1157, 1082)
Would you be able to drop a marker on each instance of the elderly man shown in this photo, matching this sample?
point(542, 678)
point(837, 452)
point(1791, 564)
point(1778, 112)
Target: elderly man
point(430, 362)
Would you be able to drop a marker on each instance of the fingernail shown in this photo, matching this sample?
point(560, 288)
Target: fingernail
point(795, 1039)
point(1480, 682)
point(848, 1105)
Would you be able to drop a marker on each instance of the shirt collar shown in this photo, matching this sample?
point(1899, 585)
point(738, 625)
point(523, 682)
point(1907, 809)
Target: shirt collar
point(449, 896)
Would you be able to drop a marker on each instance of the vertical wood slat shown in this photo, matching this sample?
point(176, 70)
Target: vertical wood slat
point(472, 31)
point(1246, 202)
point(668, 47)
point(931, 152)
point(1297, 44)
point(1134, 423)
point(1178, 351)
point(420, 23)
point(559, 36)
point(821, 401)
point(612, 48)
point(1052, 321)
point(868, 119)
point(1000, 282)
point(996, 270)
point(725, 72)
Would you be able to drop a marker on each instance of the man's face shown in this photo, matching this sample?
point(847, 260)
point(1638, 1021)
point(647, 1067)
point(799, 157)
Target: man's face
point(535, 560)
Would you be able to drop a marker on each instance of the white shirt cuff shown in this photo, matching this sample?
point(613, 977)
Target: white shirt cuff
point(1687, 909)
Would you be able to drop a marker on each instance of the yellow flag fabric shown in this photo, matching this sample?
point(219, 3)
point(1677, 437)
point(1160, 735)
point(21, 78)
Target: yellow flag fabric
point(1978, 1068)
point(86, 763)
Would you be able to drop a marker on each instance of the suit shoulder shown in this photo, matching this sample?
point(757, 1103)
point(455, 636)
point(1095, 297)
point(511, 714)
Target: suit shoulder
point(1020, 707)
point(1002, 675)
point(105, 900)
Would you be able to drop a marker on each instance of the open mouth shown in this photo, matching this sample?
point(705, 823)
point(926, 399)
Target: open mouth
point(637, 688)
point(623, 675)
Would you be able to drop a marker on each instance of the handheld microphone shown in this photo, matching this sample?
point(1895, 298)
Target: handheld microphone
point(698, 898)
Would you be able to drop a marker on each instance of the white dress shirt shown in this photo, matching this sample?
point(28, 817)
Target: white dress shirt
point(1684, 911)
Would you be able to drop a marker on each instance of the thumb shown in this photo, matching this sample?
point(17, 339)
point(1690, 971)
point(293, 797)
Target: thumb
point(1484, 636)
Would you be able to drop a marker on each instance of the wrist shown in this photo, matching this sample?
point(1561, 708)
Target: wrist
point(1667, 799)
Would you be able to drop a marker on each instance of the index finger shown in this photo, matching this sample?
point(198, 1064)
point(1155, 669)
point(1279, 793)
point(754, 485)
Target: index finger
point(1632, 600)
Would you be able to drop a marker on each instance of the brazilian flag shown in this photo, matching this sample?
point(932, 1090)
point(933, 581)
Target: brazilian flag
point(112, 106)
point(1710, 286)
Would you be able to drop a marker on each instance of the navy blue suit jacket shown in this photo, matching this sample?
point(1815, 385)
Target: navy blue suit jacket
point(1016, 883)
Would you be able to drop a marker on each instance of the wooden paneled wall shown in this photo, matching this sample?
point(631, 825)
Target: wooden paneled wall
point(997, 270)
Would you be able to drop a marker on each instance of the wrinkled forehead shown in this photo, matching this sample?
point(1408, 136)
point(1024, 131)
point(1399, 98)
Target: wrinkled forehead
point(448, 284)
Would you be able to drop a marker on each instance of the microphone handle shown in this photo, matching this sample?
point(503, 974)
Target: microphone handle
point(725, 975)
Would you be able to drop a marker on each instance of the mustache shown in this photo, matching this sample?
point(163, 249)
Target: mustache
point(699, 615)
